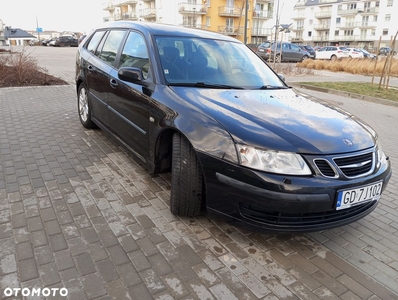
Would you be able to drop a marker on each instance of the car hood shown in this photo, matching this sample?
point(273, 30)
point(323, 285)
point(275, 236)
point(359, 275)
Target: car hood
point(281, 120)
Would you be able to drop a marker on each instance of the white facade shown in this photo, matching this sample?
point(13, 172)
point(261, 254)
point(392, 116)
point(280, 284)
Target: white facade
point(355, 23)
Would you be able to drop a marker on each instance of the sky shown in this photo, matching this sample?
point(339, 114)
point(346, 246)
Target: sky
point(72, 15)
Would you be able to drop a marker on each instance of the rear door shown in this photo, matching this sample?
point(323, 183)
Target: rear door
point(96, 78)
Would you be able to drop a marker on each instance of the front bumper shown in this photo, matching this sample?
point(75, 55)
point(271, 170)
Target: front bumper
point(276, 203)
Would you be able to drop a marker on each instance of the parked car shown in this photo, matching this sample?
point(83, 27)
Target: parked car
point(331, 52)
point(386, 50)
point(82, 37)
point(237, 140)
point(52, 42)
point(367, 54)
point(47, 41)
point(262, 48)
point(289, 52)
point(34, 42)
point(355, 53)
point(66, 41)
point(309, 49)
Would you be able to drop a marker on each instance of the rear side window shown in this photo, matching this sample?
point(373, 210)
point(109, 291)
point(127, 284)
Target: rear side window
point(94, 41)
point(111, 46)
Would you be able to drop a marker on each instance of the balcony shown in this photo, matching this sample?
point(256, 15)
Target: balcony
point(298, 28)
point(346, 38)
point(347, 25)
point(347, 12)
point(190, 24)
point(230, 30)
point(320, 38)
point(296, 39)
point(364, 25)
point(125, 2)
point(148, 0)
point(261, 32)
point(148, 13)
point(321, 26)
point(130, 16)
point(108, 6)
point(191, 9)
point(225, 11)
point(323, 14)
point(369, 11)
point(298, 17)
point(366, 38)
point(262, 14)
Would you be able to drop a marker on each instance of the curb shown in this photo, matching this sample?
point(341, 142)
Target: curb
point(347, 94)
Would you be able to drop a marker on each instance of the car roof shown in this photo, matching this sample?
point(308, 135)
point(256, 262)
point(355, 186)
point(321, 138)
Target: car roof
point(166, 29)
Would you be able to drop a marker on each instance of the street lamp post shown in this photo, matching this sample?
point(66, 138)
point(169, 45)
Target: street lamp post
point(37, 29)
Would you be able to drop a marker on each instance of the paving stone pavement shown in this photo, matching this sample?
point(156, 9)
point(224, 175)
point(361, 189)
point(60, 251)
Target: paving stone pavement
point(77, 212)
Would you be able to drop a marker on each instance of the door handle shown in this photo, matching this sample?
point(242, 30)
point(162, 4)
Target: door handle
point(113, 83)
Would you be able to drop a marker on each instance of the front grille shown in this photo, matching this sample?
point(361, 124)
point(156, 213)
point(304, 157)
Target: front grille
point(304, 219)
point(353, 166)
point(325, 168)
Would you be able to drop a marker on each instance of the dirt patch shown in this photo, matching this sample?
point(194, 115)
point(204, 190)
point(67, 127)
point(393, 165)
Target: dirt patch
point(19, 69)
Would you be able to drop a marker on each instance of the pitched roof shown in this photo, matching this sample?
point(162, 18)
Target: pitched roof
point(16, 33)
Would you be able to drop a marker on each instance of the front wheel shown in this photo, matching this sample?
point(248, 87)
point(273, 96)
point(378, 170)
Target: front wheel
point(186, 179)
point(278, 58)
point(334, 57)
point(305, 57)
point(83, 107)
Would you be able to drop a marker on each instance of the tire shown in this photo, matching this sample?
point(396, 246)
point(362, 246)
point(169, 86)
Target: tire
point(83, 107)
point(334, 57)
point(278, 58)
point(305, 57)
point(186, 179)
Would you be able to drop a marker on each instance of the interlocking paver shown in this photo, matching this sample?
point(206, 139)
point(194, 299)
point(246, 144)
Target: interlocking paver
point(77, 211)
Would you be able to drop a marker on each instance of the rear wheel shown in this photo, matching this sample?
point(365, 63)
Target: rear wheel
point(186, 179)
point(305, 57)
point(83, 107)
point(278, 58)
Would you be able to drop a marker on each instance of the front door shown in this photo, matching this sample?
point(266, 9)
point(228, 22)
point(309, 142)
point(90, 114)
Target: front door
point(129, 103)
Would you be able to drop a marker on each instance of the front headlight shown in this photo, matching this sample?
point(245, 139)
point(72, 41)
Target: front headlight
point(380, 155)
point(273, 161)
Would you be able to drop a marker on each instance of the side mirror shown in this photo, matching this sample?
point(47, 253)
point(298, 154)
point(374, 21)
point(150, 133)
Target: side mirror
point(133, 75)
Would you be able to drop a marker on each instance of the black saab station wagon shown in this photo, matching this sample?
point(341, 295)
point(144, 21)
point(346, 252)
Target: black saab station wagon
point(238, 141)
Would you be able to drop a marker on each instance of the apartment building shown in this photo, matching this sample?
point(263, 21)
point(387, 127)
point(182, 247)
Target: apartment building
point(357, 23)
point(224, 16)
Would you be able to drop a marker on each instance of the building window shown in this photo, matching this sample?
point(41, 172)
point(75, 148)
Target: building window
point(352, 6)
point(208, 3)
point(373, 32)
point(309, 33)
point(385, 31)
point(348, 32)
point(336, 32)
point(390, 2)
point(377, 3)
point(207, 21)
point(374, 18)
point(387, 18)
point(338, 20)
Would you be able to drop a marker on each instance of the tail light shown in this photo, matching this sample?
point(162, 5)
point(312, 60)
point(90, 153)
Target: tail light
point(269, 50)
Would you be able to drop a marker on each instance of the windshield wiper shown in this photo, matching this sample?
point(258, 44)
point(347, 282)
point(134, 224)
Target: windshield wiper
point(274, 87)
point(209, 85)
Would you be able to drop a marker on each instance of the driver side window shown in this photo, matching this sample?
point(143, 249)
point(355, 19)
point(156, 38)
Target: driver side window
point(135, 54)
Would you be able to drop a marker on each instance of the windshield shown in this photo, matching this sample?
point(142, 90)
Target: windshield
point(192, 60)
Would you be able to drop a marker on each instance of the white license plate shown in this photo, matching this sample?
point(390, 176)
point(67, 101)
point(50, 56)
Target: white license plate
point(348, 198)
